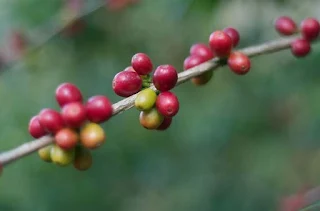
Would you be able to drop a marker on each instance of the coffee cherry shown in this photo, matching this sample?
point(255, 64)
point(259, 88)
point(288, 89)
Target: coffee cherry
point(99, 109)
point(165, 77)
point(126, 83)
point(220, 43)
point(201, 50)
point(165, 124)
point(68, 93)
point(130, 69)
point(35, 129)
point(66, 138)
point(300, 47)
point(145, 99)
point(151, 119)
point(45, 153)
point(50, 120)
point(92, 136)
point(141, 63)
point(74, 114)
point(310, 28)
point(233, 34)
point(83, 158)
point(193, 61)
point(285, 25)
point(239, 63)
point(202, 79)
point(61, 157)
point(167, 104)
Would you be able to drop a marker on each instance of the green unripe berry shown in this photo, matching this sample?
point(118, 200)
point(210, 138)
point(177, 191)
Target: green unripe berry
point(61, 156)
point(151, 119)
point(145, 99)
point(44, 153)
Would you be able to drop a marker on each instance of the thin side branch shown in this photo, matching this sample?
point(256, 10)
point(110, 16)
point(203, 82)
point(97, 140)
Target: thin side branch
point(127, 103)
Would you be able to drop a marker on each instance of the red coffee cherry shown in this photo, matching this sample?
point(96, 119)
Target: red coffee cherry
point(92, 136)
point(50, 120)
point(201, 50)
point(66, 138)
point(300, 47)
point(167, 104)
point(233, 34)
point(165, 124)
point(74, 114)
point(130, 69)
point(239, 63)
point(35, 128)
point(141, 63)
point(285, 25)
point(220, 43)
point(99, 109)
point(310, 28)
point(126, 83)
point(68, 93)
point(83, 158)
point(165, 77)
point(193, 61)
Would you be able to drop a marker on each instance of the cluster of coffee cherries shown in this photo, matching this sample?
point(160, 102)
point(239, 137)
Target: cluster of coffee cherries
point(157, 106)
point(76, 128)
point(309, 29)
point(221, 45)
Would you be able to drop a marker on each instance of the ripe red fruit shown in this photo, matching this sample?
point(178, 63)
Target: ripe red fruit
point(35, 129)
point(99, 109)
point(220, 43)
point(310, 28)
point(201, 50)
point(50, 120)
point(300, 47)
point(239, 63)
point(167, 104)
point(66, 138)
point(165, 77)
point(285, 25)
point(130, 68)
point(74, 114)
point(126, 83)
point(233, 34)
point(192, 61)
point(68, 93)
point(165, 124)
point(141, 63)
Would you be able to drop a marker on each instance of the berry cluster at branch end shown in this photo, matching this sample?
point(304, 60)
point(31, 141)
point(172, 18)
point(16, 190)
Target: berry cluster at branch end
point(221, 45)
point(309, 29)
point(76, 128)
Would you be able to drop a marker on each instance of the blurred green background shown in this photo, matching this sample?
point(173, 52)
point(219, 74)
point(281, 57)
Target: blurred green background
point(238, 143)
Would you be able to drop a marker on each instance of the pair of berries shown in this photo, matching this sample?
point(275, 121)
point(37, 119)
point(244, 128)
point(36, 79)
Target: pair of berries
point(309, 28)
point(77, 125)
point(221, 44)
point(137, 76)
point(157, 111)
